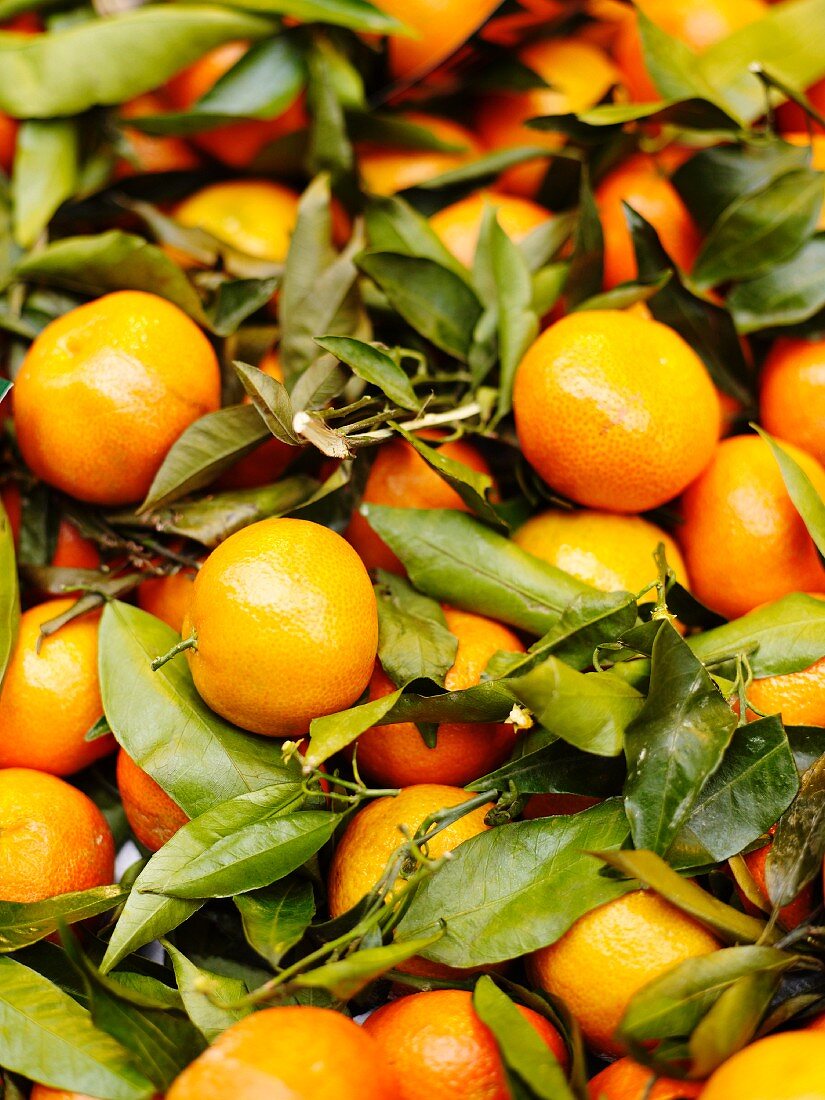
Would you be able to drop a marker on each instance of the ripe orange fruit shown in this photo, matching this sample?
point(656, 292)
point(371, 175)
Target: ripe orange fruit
point(237, 143)
point(439, 27)
point(255, 216)
point(579, 75)
point(105, 390)
point(790, 916)
point(50, 700)
point(375, 833)
point(150, 153)
point(386, 169)
point(286, 625)
point(789, 1066)
point(152, 815)
point(609, 552)
point(627, 1080)
point(634, 414)
point(291, 1052)
point(438, 1047)
point(71, 550)
point(43, 1092)
point(610, 953)
point(401, 478)
point(740, 504)
point(459, 225)
point(640, 183)
point(792, 394)
point(8, 142)
point(697, 23)
point(167, 598)
point(396, 756)
point(53, 839)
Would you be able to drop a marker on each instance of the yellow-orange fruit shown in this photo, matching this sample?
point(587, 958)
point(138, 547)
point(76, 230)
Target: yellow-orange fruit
point(790, 1066)
point(792, 393)
point(459, 225)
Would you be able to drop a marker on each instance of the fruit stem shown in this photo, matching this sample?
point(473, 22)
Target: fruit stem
point(185, 643)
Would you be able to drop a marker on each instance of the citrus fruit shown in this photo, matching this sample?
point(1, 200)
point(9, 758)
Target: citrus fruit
point(254, 216)
point(147, 152)
point(608, 551)
point(740, 505)
point(152, 815)
point(386, 169)
point(579, 75)
point(71, 549)
point(374, 834)
point(790, 117)
point(790, 1066)
point(625, 1079)
point(610, 953)
point(400, 478)
point(8, 142)
point(396, 755)
point(286, 625)
point(639, 182)
point(615, 411)
point(792, 394)
point(51, 699)
point(105, 390)
point(439, 27)
point(167, 597)
point(295, 1052)
point(53, 839)
point(790, 916)
point(459, 225)
point(43, 1092)
point(438, 1046)
point(799, 697)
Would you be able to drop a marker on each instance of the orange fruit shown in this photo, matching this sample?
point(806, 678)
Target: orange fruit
point(71, 550)
point(627, 1080)
point(799, 697)
point(640, 183)
point(153, 816)
point(150, 153)
point(43, 1092)
point(8, 142)
point(396, 756)
point(790, 916)
point(817, 1023)
point(634, 413)
point(400, 478)
point(237, 143)
point(296, 1053)
point(167, 598)
point(459, 225)
point(553, 805)
point(697, 23)
point(438, 1046)
point(609, 552)
point(579, 75)
point(50, 700)
point(254, 216)
point(105, 390)
point(610, 953)
point(439, 27)
point(373, 835)
point(790, 1066)
point(790, 118)
point(286, 625)
point(386, 169)
point(53, 839)
point(792, 393)
point(740, 504)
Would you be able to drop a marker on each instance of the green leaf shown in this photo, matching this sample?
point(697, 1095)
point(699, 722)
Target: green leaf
point(804, 496)
point(9, 593)
point(22, 923)
point(329, 148)
point(795, 856)
point(759, 230)
point(587, 265)
point(395, 226)
point(788, 294)
point(485, 167)
point(590, 710)
point(276, 917)
point(358, 15)
point(270, 400)
point(522, 1050)
point(550, 766)
point(374, 366)
point(672, 64)
point(47, 1036)
point(202, 992)
point(158, 717)
point(733, 1021)
point(431, 298)
point(333, 732)
point(45, 172)
point(345, 978)
point(236, 299)
point(537, 881)
point(414, 641)
point(68, 71)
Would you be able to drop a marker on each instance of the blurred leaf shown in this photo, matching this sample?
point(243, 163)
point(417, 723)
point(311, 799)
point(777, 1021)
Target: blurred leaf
point(801, 490)
point(358, 15)
point(345, 978)
point(374, 366)
point(330, 149)
point(733, 1020)
point(202, 993)
point(485, 167)
point(276, 917)
point(414, 641)
point(9, 593)
point(45, 171)
point(22, 923)
point(795, 856)
point(789, 294)
point(627, 294)
point(673, 66)
point(587, 264)
point(395, 226)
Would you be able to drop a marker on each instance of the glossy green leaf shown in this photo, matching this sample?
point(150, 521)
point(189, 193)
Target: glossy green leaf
point(45, 172)
point(333, 732)
point(344, 978)
point(276, 917)
point(203, 992)
point(546, 765)
point(414, 641)
point(374, 366)
point(589, 620)
point(801, 490)
point(798, 845)
point(9, 593)
point(22, 923)
point(270, 400)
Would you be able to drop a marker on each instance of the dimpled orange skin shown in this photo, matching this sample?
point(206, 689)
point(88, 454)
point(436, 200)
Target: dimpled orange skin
point(105, 391)
point(798, 696)
point(289, 1053)
point(71, 549)
point(396, 756)
point(740, 503)
point(374, 834)
point(53, 839)
point(254, 216)
point(386, 169)
point(609, 954)
point(400, 478)
point(439, 27)
point(615, 411)
point(627, 1080)
point(50, 700)
point(788, 1066)
point(287, 626)
point(579, 75)
point(458, 226)
point(792, 394)
point(438, 1046)
point(153, 816)
point(639, 183)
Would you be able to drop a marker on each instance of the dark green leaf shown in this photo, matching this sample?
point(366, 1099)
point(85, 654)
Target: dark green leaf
point(587, 265)
point(270, 399)
point(733, 1020)
point(790, 293)
point(236, 299)
point(329, 71)
point(276, 917)
point(344, 978)
point(798, 846)
point(45, 172)
point(22, 923)
point(549, 766)
point(805, 497)
point(374, 366)
point(414, 641)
